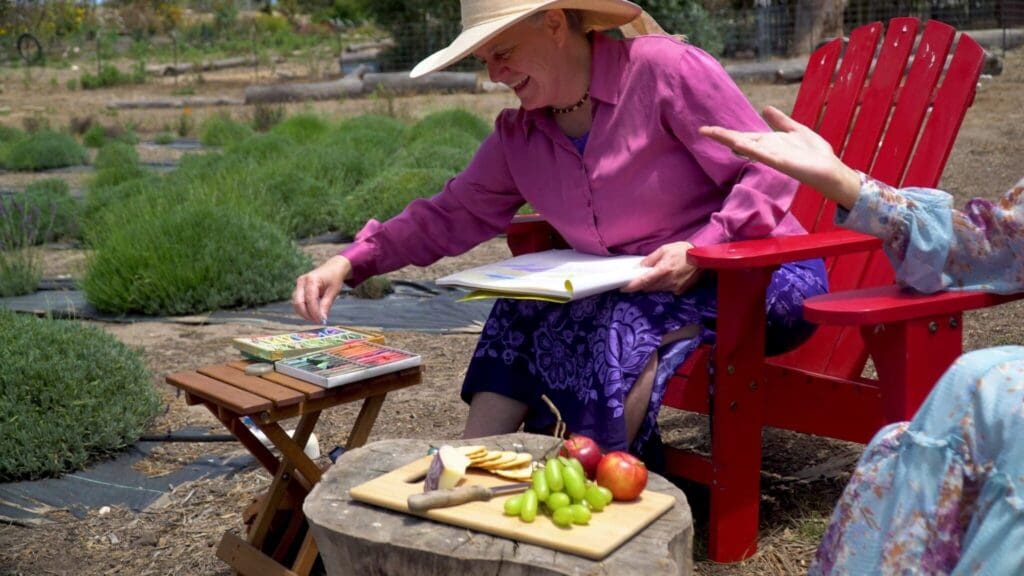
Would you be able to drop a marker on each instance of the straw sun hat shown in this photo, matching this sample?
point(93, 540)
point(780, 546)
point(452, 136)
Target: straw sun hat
point(482, 20)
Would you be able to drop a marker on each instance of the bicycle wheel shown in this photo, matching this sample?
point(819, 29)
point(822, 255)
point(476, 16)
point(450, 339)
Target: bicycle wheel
point(30, 49)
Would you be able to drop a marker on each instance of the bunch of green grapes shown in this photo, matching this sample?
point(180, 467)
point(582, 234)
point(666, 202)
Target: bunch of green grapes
point(563, 490)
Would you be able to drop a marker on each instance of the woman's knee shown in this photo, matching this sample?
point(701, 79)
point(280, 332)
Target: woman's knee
point(491, 413)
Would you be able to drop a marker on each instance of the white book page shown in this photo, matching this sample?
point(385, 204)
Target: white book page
point(562, 273)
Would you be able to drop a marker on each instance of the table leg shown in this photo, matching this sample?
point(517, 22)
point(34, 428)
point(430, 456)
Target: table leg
point(244, 555)
point(364, 422)
point(307, 555)
point(293, 448)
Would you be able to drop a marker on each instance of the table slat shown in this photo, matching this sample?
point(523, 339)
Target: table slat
point(312, 391)
point(219, 393)
point(279, 395)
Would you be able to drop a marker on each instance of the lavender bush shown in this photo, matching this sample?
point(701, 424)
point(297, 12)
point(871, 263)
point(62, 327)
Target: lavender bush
point(21, 224)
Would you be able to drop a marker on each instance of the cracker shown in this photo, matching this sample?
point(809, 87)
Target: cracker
point(503, 458)
point(521, 473)
point(472, 451)
point(485, 458)
point(522, 459)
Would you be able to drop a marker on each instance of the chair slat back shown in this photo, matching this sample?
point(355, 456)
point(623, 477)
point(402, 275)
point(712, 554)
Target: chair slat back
point(877, 128)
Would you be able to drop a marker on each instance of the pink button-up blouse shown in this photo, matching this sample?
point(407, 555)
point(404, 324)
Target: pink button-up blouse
point(646, 177)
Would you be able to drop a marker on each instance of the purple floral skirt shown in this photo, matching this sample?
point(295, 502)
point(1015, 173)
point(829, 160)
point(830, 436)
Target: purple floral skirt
point(586, 355)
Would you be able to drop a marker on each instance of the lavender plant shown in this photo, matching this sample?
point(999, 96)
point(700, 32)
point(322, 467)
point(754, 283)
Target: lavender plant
point(21, 225)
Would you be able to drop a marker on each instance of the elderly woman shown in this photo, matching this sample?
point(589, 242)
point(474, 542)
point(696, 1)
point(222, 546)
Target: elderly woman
point(605, 145)
point(941, 494)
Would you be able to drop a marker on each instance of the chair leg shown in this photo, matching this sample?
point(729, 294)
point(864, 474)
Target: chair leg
point(910, 357)
point(736, 415)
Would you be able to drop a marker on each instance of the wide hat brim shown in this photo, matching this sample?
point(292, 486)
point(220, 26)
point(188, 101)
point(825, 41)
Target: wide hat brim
point(598, 15)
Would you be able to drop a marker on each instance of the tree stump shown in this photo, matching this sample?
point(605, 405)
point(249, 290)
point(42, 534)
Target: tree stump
point(357, 538)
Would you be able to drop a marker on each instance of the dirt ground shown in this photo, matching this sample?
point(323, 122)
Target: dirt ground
point(802, 475)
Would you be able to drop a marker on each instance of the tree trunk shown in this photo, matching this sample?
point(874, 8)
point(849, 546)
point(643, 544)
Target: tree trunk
point(814, 21)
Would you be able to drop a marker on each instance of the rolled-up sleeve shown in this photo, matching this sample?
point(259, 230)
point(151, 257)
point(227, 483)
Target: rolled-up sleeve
point(934, 247)
point(757, 197)
point(472, 207)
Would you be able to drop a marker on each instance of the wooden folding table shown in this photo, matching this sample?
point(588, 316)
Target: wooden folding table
point(230, 394)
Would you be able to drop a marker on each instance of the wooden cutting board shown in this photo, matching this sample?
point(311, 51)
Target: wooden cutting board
point(607, 530)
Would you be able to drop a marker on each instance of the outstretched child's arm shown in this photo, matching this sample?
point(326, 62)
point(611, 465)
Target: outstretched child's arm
point(794, 150)
point(931, 245)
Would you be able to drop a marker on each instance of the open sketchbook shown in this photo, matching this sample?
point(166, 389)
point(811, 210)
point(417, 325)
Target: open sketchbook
point(552, 275)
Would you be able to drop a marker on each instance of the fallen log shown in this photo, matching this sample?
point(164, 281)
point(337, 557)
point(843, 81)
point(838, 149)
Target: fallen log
point(273, 93)
point(360, 82)
point(191, 102)
point(188, 67)
point(401, 83)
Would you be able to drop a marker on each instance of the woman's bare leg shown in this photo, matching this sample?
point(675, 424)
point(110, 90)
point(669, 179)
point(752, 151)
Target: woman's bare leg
point(491, 414)
point(639, 397)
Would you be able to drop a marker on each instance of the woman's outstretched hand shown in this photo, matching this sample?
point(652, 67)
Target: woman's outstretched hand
point(670, 272)
point(797, 151)
point(316, 290)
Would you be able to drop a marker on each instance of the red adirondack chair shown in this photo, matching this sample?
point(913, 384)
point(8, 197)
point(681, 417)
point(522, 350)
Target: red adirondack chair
point(884, 128)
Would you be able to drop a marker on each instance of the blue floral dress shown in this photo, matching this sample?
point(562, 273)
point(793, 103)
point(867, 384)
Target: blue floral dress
point(587, 354)
point(943, 493)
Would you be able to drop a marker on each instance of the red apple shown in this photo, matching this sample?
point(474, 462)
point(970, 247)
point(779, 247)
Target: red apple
point(583, 449)
point(622, 473)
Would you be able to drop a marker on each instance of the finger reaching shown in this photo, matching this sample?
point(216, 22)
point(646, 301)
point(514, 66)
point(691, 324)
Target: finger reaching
point(778, 120)
point(326, 301)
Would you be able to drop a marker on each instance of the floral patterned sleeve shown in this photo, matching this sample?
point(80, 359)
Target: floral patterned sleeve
point(935, 247)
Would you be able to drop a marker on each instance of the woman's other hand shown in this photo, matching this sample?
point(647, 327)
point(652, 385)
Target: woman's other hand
point(316, 290)
point(797, 151)
point(670, 272)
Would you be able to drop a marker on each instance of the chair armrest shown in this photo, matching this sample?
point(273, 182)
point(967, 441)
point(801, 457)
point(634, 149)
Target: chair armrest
point(767, 252)
point(888, 304)
point(532, 233)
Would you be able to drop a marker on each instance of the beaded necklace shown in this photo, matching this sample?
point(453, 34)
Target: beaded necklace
point(574, 107)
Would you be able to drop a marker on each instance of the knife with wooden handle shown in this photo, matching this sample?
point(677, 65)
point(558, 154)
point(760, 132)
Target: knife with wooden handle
point(423, 501)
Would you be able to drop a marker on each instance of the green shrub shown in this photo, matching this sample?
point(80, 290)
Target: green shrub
point(116, 163)
point(116, 155)
point(450, 120)
point(44, 150)
point(270, 25)
point(110, 76)
point(53, 197)
point(95, 136)
point(266, 116)
point(341, 163)
point(164, 138)
point(177, 254)
point(100, 197)
point(21, 226)
point(299, 204)
point(222, 130)
point(387, 194)
point(385, 126)
point(302, 128)
point(69, 393)
point(20, 272)
point(691, 18)
point(447, 138)
point(263, 148)
point(9, 134)
point(360, 148)
point(424, 154)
